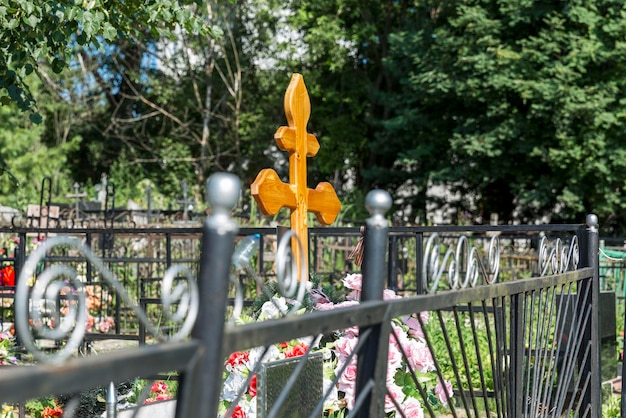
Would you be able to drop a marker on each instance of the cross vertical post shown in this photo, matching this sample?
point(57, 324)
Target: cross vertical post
point(187, 204)
point(271, 194)
point(77, 195)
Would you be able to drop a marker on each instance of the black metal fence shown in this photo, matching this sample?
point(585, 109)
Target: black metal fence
point(445, 321)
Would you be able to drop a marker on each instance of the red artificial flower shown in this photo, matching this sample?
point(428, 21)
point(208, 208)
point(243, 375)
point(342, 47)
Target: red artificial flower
point(252, 388)
point(238, 413)
point(52, 412)
point(283, 345)
point(298, 350)
point(238, 358)
point(7, 276)
point(159, 387)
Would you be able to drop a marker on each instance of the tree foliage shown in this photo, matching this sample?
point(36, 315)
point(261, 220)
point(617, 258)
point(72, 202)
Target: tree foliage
point(514, 107)
point(36, 33)
point(524, 99)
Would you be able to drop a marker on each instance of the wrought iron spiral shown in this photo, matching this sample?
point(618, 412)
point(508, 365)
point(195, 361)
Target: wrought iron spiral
point(291, 283)
point(464, 259)
point(56, 307)
point(558, 257)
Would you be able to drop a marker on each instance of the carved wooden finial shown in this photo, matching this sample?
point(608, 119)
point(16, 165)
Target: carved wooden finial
point(271, 194)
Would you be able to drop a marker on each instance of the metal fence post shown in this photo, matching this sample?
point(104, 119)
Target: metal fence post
point(218, 237)
point(593, 256)
point(372, 361)
point(592, 397)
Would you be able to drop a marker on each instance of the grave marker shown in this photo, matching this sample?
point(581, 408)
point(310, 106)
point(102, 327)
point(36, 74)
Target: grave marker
point(271, 194)
point(77, 196)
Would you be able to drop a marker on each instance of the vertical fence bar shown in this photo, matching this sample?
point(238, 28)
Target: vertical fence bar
point(392, 265)
point(419, 260)
point(218, 239)
point(377, 203)
point(515, 394)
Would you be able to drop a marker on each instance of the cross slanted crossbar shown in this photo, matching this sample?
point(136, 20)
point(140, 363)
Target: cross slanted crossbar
point(272, 194)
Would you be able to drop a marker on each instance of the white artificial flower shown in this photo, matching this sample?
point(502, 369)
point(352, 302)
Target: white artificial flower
point(274, 308)
point(233, 386)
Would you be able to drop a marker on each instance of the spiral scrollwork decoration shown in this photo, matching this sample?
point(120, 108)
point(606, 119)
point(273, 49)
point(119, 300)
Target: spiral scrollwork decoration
point(291, 282)
point(463, 265)
point(557, 257)
point(180, 299)
point(56, 306)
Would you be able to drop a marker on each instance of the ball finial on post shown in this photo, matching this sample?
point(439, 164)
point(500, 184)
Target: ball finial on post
point(592, 220)
point(222, 191)
point(377, 203)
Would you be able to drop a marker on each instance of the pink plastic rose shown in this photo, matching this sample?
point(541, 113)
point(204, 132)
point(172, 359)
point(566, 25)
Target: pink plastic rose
point(419, 356)
point(441, 390)
point(412, 408)
point(344, 346)
point(353, 281)
point(347, 383)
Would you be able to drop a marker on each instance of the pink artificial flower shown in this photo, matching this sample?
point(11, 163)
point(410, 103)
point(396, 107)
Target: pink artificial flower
point(389, 294)
point(419, 356)
point(412, 408)
point(347, 383)
point(344, 346)
point(104, 327)
point(325, 306)
point(415, 329)
point(441, 390)
point(355, 295)
point(353, 281)
point(396, 393)
point(394, 359)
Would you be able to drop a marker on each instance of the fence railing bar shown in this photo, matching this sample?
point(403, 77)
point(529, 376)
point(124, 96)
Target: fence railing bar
point(528, 336)
point(572, 351)
point(444, 300)
point(546, 345)
point(466, 365)
point(419, 386)
point(483, 386)
point(502, 366)
point(540, 351)
point(561, 322)
point(587, 382)
point(242, 337)
point(19, 384)
point(454, 364)
point(493, 355)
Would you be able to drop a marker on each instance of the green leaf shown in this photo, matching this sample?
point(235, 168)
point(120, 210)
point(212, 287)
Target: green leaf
point(32, 20)
point(58, 65)
point(109, 32)
point(36, 118)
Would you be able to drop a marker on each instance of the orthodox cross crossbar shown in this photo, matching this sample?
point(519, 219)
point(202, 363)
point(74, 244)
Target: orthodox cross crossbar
point(272, 194)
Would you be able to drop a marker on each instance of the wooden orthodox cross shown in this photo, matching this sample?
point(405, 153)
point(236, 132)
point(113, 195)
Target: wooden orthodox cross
point(271, 194)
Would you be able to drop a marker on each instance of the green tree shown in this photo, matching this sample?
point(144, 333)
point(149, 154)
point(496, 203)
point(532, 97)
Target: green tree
point(518, 105)
point(38, 33)
point(29, 161)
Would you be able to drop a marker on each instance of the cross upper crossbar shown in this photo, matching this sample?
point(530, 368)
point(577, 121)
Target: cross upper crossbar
point(272, 194)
